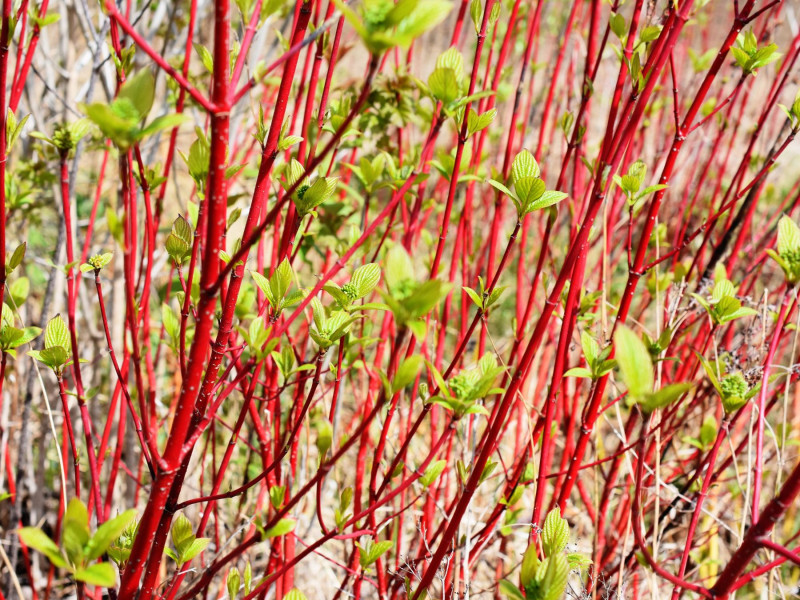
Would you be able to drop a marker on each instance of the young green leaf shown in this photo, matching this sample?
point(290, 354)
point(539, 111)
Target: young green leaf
point(555, 533)
point(636, 368)
point(280, 528)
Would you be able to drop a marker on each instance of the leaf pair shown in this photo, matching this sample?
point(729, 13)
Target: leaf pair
point(597, 359)
point(80, 549)
point(57, 346)
point(328, 329)
point(122, 121)
point(368, 172)
point(285, 361)
point(307, 197)
point(370, 551)
point(234, 581)
point(179, 241)
point(749, 56)
point(257, 337)
point(447, 85)
point(631, 184)
point(13, 128)
point(463, 392)
point(12, 337)
point(483, 298)
point(276, 287)
point(185, 545)
point(546, 579)
point(723, 306)
point(382, 24)
point(341, 514)
point(530, 192)
point(408, 299)
point(476, 14)
point(364, 279)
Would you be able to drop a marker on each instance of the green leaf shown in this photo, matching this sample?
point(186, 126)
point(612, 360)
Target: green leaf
point(419, 329)
point(650, 33)
point(426, 15)
point(579, 372)
point(280, 528)
point(618, 25)
point(475, 13)
point(524, 165)
point(232, 583)
point(665, 396)
point(477, 122)
point(708, 431)
point(19, 290)
point(509, 590)
point(100, 574)
point(177, 249)
point(140, 91)
point(9, 335)
point(788, 237)
point(398, 268)
point(554, 580)
point(406, 372)
point(294, 593)
point(451, 59)
point(324, 435)
point(248, 577)
point(426, 296)
point(282, 278)
point(476, 298)
point(712, 373)
point(547, 199)
point(432, 472)
point(193, 549)
point(365, 279)
point(738, 314)
point(555, 533)
point(499, 186)
point(170, 321)
point(14, 128)
point(56, 334)
point(16, 258)
point(111, 125)
point(288, 142)
point(205, 57)
point(263, 284)
point(75, 533)
point(161, 123)
point(590, 347)
point(530, 561)
point(636, 367)
point(35, 538)
point(529, 189)
point(370, 552)
point(578, 561)
point(443, 83)
point(723, 288)
point(651, 189)
point(181, 533)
